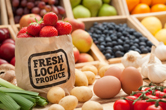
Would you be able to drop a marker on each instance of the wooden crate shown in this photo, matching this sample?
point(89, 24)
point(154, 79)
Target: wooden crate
point(123, 19)
point(3, 13)
point(12, 33)
point(11, 15)
point(116, 3)
point(138, 18)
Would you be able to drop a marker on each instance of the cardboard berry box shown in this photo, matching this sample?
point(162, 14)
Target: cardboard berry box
point(116, 3)
point(138, 18)
point(8, 4)
point(117, 20)
point(3, 13)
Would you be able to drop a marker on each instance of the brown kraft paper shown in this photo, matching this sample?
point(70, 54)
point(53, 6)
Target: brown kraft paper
point(43, 62)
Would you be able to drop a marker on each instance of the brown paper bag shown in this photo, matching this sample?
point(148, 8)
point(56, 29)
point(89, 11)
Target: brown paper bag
point(43, 62)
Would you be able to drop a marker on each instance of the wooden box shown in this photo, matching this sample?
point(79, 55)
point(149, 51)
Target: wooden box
point(123, 19)
point(11, 15)
point(3, 13)
point(138, 18)
point(116, 3)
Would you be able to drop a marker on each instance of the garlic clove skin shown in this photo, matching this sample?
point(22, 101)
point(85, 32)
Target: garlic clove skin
point(160, 51)
point(131, 58)
point(157, 73)
point(145, 60)
point(144, 70)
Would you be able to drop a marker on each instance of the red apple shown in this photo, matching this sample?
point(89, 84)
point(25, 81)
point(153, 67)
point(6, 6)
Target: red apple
point(76, 24)
point(27, 19)
point(8, 41)
point(7, 51)
point(13, 61)
point(76, 54)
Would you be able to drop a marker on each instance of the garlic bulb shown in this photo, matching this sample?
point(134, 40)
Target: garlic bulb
point(160, 51)
point(131, 58)
point(157, 73)
point(145, 59)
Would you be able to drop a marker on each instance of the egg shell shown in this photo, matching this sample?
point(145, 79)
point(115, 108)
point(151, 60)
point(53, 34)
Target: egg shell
point(107, 87)
point(131, 79)
point(114, 71)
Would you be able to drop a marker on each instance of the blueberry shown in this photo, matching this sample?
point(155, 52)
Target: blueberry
point(131, 31)
point(109, 44)
point(110, 27)
point(119, 54)
point(136, 41)
point(120, 30)
point(139, 51)
point(131, 43)
point(124, 33)
point(126, 47)
point(136, 45)
point(121, 48)
point(114, 38)
point(131, 37)
point(124, 25)
point(133, 47)
point(114, 43)
point(103, 43)
point(110, 32)
point(107, 55)
point(137, 34)
point(119, 34)
point(105, 31)
point(108, 39)
point(102, 47)
point(115, 48)
point(143, 39)
point(120, 41)
point(96, 42)
point(122, 38)
point(95, 23)
point(127, 41)
point(145, 50)
point(109, 51)
point(94, 39)
point(142, 44)
point(108, 48)
point(149, 43)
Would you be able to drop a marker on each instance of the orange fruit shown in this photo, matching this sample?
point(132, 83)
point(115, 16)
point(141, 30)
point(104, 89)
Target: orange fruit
point(148, 2)
point(154, 2)
point(131, 4)
point(158, 8)
point(141, 8)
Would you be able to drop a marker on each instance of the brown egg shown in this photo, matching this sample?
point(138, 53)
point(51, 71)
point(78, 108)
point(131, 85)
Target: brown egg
point(131, 79)
point(114, 71)
point(107, 87)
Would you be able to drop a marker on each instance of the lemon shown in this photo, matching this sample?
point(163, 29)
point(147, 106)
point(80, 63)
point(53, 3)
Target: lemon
point(152, 24)
point(161, 36)
point(165, 26)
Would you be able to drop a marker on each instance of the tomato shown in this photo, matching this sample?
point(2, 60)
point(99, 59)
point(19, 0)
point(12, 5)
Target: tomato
point(164, 90)
point(141, 105)
point(152, 97)
point(137, 94)
point(147, 88)
point(121, 105)
point(163, 104)
point(152, 107)
point(159, 94)
point(131, 102)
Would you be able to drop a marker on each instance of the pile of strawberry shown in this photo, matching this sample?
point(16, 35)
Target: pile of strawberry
point(149, 97)
point(48, 27)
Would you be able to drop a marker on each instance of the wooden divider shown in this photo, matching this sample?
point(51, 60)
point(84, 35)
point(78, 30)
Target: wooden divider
point(3, 13)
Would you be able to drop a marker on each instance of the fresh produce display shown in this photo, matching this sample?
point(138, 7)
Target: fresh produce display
point(92, 105)
point(40, 7)
point(15, 98)
point(7, 47)
point(145, 6)
point(148, 97)
point(92, 8)
point(114, 40)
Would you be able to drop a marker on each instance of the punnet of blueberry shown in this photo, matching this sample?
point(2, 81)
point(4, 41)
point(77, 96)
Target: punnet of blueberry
point(114, 40)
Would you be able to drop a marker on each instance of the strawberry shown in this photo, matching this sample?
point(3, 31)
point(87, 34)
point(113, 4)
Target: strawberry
point(23, 30)
point(24, 35)
point(63, 27)
point(34, 29)
point(48, 31)
point(50, 19)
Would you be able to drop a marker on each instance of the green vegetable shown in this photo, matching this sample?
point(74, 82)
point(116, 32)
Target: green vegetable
point(15, 98)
